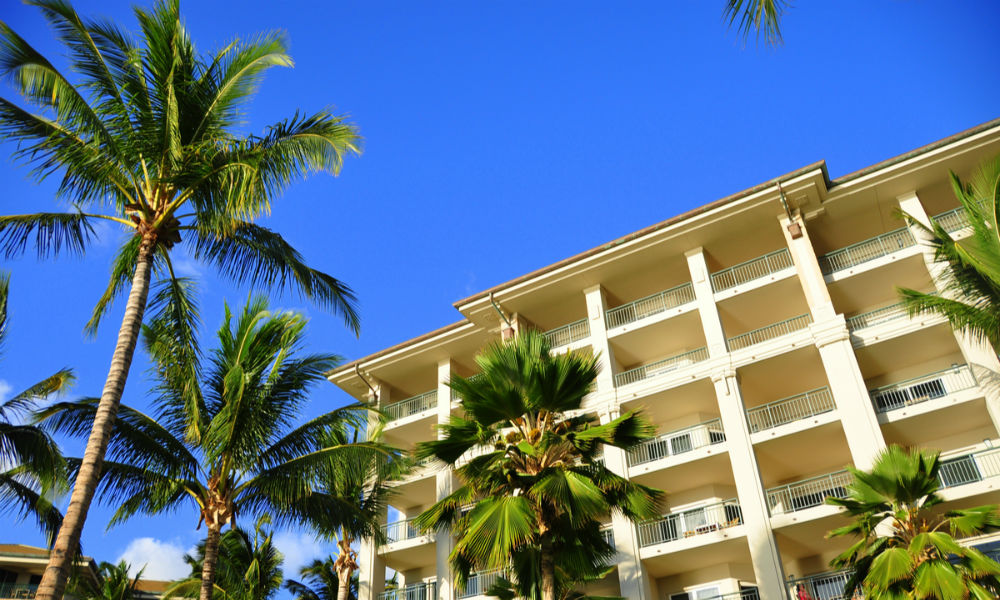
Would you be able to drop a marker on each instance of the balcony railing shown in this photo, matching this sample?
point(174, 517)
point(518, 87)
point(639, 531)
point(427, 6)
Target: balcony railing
point(688, 523)
point(953, 220)
point(807, 493)
point(969, 468)
point(661, 367)
point(399, 531)
point(650, 305)
point(870, 249)
point(414, 591)
point(791, 409)
point(823, 586)
point(769, 332)
point(411, 406)
point(454, 395)
point(747, 594)
point(479, 583)
point(567, 334)
point(608, 533)
point(755, 268)
point(677, 442)
point(18, 591)
point(921, 389)
point(878, 316)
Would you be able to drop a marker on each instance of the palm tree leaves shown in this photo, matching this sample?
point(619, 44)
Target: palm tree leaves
point(52, 233)
point(495, 528)
point(762, 16)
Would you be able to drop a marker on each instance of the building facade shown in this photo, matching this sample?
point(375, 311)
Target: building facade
point(763, 336)
point(21, 569)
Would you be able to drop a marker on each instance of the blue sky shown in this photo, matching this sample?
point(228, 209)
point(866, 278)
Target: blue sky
point(501, 137)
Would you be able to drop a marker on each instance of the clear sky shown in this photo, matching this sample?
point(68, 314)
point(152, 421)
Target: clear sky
point(501, 137)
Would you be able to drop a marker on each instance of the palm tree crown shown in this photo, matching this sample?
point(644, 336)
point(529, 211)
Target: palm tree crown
point(904, 548)
point(318, 581)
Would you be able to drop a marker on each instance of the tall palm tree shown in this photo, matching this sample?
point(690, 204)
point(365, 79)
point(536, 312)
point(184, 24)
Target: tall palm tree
point(540, 474)
point(756, 17)
point(971, 296)
point(113, 583)
point(221, 436)
point(249, 567)
point(145, 136)
point(319, 581)
point(918, 557)
point(33, 464)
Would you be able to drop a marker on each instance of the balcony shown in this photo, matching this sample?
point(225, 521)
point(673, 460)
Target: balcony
point(953, 220)
point(867, 250)
point(479, 583)
point(677, 442)
point(567, 334)
point(769, 332)
point(415, 591)
point(747, 594)
point(649, 306)
point(411, 406)
point(807, 493)
point(823, 586)
point(689, 523)
point(921, 389)
point(753, 269)
point(884, 314)
point(400, 531)
point(661, 367)
point(970, 468)
point(18, 591)
point(791, 409)
point(608, 533)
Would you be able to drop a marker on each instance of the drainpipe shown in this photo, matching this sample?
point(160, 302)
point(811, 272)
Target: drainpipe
point(507, 332)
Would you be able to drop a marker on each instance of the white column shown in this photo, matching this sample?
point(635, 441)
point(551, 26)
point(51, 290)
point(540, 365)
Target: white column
point(749, 486)
point(847, 384)
point(371, 572)
point(715, 338)
point(632, 577)
point(596, 306)
point(445, 486)
point(980, 356)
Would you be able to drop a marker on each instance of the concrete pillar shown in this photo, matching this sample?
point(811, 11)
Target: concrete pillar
point(715, 338)
point(596, 306)
point(807, 267)
point(371, 572)
point(632, 576)
point(749, 486)
point(445, 483)
point(979, 354)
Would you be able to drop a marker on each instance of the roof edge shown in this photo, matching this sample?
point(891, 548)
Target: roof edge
point(396, 347)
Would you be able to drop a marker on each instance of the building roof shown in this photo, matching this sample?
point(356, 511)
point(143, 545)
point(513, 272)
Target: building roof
point(154, 586)
point(22, 550)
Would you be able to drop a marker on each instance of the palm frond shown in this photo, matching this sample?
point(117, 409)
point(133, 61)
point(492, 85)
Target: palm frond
point(761, 18)
point(52, 233)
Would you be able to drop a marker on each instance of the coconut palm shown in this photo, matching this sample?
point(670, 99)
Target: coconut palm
point(756, 17)
point(221, 436)
point(34, 466)
point(319, 581)
point(249, 567)
point(113, 583)
point(971, 295)
point(539, 474)
point(904, 548)
point(145, 135)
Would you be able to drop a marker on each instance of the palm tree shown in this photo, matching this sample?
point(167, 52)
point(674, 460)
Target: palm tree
point(146, 137)
point(222, 436)
point(760, 17)
point(971, 295)
point(918, 557)
point(34, 466)
point(319, 581)
point(114, 583)
point(539, 477)
point(249, 567)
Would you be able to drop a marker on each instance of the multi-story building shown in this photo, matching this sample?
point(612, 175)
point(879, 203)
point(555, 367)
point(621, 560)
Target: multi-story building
point(21, 569)
point(763, 336)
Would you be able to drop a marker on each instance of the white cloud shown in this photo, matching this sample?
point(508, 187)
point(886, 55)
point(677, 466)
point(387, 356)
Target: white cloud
point(5, 390)
point(163, 560)
point(299, 549)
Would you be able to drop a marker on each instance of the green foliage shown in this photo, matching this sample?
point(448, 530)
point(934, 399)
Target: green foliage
point(318, 581)
point(537, 487)
point(904, 548)
point(114, 583)
point(762, 17)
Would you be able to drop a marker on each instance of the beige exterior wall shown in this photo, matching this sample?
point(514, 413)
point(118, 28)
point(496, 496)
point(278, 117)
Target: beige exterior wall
point(761, 337)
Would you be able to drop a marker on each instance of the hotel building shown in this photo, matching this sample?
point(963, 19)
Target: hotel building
point(762, 334)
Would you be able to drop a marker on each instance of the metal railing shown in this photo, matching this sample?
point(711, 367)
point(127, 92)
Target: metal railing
point(414, 591)
point(823, 586)
point(747, 594)
point(791, 409)
point(969, 468)
point(921, 389)
point(807, 493)
point(661, 367)
point(608, 533)
point(769, 332)
point(864, 251)
point(755, 268)
point(399, 531)
point(650, 305)
point(688, 523)
point(878, 316)
point(953, 220)
point(479, 583)
point(411, 406)
point(567, 334)
point(677, 442)
point(18, 591)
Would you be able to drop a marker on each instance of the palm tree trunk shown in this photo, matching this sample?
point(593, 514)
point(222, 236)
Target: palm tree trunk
point(344, 583)
point(211, 557)
point(548, 570)
point(53, 584)
point(344, 566)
